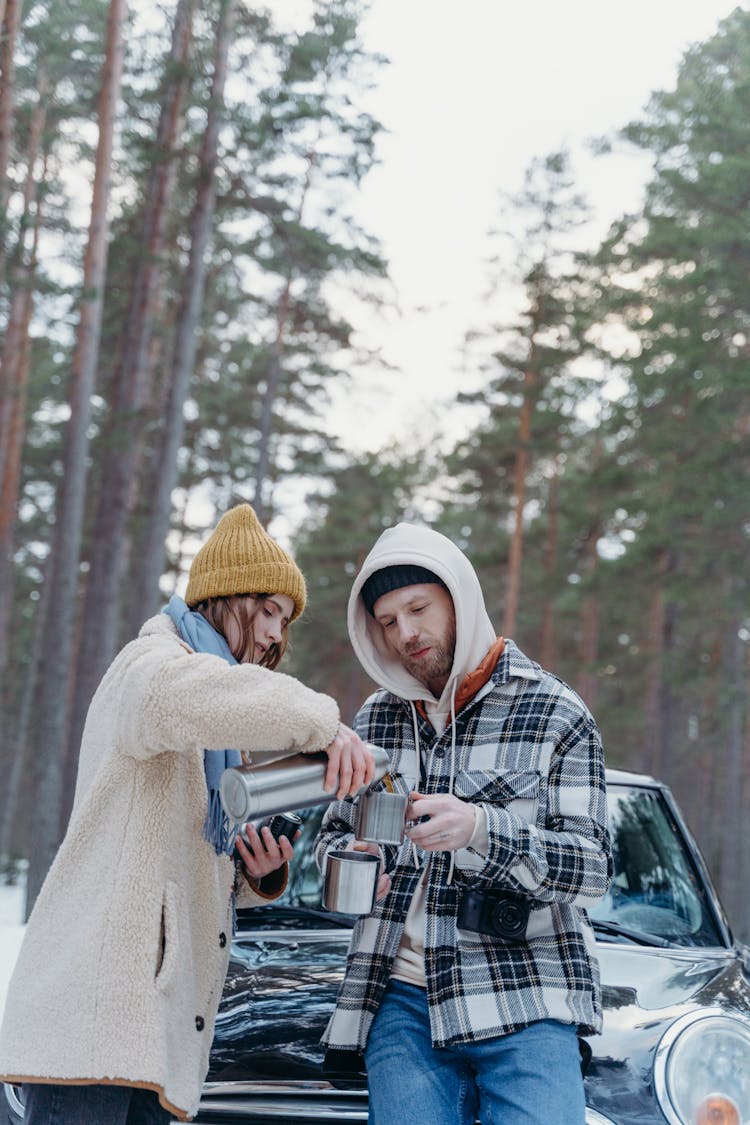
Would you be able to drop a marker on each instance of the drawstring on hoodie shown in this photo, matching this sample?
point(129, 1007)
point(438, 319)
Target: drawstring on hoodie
point(415, 723)
point(452, 777)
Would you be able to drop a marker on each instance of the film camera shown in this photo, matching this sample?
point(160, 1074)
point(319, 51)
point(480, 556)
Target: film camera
point(496, 913)
point(282, 824)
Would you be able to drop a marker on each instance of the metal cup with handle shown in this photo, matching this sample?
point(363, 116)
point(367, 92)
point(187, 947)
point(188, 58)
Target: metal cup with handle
point(381, 817)
point(351, 881)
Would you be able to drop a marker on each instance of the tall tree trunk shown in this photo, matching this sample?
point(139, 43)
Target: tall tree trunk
point(668, 702)
point(590, 628)
point(10, 21)
point(125, 429)
point(590, 606)
point(743, 919)
point(548, 646)
point(12, 717)
point(261, 500)
point(136, 358)
point(14, 364)
point(730, 815)
point(66, 547)
point(15, 832)
point(183, 356)
point(520, 475)
point(698, 798)
point(10, 482)
point(655, 633)
point(131, 387)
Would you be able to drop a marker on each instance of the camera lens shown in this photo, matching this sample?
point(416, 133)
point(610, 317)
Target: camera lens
point(509, 919)
point(284, 824)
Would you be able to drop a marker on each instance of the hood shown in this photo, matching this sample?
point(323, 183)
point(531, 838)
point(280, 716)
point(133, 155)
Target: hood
point(654, 979)
point(421, 546)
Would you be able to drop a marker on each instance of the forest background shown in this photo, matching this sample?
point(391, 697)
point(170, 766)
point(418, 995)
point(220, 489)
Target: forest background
point(181, 277)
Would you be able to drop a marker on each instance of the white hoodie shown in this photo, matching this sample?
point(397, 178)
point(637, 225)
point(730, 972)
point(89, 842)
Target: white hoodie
point(422, 546)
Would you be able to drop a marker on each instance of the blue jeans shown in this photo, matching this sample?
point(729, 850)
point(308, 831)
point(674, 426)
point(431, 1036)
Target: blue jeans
point(531, 1077)
point(92, 1105)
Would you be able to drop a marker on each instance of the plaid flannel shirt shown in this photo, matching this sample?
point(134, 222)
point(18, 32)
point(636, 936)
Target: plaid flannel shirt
point(528, 749)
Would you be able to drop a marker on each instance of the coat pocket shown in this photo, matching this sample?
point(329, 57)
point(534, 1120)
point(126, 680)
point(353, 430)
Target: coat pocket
point(169, 938)
point(518, 791)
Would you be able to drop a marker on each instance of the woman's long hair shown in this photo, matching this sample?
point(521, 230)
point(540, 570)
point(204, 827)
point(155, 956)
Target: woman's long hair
point(217, 611)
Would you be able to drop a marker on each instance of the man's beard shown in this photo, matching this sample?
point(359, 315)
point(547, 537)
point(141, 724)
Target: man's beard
point(436, 666)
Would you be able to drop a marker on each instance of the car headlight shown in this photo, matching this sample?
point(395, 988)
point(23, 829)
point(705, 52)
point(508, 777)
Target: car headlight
point(702, 1069)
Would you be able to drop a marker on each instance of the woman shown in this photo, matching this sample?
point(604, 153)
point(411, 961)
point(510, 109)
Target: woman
point(110, 1012)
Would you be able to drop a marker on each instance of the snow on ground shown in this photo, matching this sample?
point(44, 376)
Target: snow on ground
point(11, 932)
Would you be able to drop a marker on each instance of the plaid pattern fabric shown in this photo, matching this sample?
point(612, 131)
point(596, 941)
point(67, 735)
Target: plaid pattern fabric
point(529, 750)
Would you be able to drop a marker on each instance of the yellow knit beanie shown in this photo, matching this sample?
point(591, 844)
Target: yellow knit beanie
point(240, 557)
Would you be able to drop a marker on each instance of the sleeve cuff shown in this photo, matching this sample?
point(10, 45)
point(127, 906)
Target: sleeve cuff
point(267, 889)
point(480, 839)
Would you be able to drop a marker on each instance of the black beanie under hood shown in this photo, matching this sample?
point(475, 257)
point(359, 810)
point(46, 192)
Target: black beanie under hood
point(393, 578)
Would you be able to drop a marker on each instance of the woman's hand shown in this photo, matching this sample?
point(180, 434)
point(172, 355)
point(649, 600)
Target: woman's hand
point(384, 880)
point(260, 852)
point(351, 766)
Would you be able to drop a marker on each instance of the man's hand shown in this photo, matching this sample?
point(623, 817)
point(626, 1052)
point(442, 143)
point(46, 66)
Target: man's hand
point(450, 823)
point(259, 851)
point(384, 880)
point(351, 765)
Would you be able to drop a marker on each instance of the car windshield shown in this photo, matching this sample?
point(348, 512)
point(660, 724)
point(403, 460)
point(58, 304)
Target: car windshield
point(657, 889)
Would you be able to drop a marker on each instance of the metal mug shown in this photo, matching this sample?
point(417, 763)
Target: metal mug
point(351, 881)
point(381, 817)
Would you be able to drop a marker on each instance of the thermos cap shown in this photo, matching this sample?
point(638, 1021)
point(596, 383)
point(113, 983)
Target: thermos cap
point(234, 796)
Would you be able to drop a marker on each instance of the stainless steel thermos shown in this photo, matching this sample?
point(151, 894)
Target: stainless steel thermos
point(296, 782)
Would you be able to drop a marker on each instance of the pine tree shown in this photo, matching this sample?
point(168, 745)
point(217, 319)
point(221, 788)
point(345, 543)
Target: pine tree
point(66, 549)
point(507, 470)
point(678, 279)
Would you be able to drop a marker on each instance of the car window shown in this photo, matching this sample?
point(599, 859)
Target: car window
point(656, 887)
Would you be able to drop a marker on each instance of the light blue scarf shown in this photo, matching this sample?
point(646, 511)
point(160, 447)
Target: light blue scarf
point(202, 637)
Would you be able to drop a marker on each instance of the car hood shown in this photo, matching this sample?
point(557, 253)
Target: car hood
point(643, 992)
point(663, 978)
point(281, 988)
point(279, 993)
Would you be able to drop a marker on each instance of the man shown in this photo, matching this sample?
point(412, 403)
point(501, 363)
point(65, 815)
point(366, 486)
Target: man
point(468, 985)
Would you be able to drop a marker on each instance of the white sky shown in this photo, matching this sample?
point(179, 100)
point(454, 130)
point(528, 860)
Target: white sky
point(474, 91)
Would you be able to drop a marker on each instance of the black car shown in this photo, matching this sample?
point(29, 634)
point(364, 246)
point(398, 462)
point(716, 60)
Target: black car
point(676, 991)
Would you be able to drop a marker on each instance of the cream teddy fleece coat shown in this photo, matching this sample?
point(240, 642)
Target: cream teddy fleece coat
point(122, 966)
